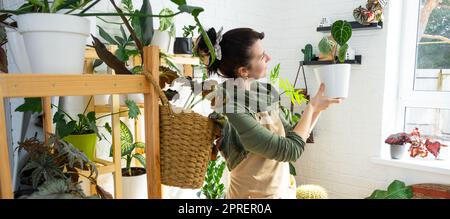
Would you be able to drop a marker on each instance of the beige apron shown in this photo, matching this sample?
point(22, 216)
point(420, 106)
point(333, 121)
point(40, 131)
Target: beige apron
point(259, 177)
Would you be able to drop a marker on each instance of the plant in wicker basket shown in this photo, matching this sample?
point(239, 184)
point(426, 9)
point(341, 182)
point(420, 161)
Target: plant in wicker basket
point(186, 140)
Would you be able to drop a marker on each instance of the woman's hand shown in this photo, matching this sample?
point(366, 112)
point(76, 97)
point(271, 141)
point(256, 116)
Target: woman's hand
point(320, 102)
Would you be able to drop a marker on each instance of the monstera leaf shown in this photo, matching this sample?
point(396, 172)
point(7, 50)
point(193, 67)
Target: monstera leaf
point(396, 190)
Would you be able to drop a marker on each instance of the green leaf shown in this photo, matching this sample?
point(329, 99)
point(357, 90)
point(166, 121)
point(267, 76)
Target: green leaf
point(342, 52)
point(91, 116)
point(133, 109)
point(106, 36)
point(108, 128)
point(193, 10)
point(292, 170)
point(56, 4)
point(141, 159)
point(37, 3)
point(146, 23)
point(341, 32)
point(121, 54)
point(31, 104)
point(325, 45)
point(124, 35)
point(396, 190)
point(274, 74)
point(125, 134)
point(140, 145)
point(179, 2)
point(62, 128)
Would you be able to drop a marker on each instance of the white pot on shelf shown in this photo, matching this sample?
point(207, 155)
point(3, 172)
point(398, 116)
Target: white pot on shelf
point(163, 40)
point(134, 187)
point(53, 43)
point(336, 78)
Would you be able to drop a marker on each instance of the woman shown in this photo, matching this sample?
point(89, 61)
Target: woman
point(257, 142)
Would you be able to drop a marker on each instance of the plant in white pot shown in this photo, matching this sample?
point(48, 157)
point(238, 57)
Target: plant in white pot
point(134, 179)
point(336, 76)
point(47, 41)
point(164, 36)
point(398, 143)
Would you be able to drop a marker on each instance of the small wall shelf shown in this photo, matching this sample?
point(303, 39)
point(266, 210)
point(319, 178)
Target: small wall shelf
point(355, 26)
point(357, 61)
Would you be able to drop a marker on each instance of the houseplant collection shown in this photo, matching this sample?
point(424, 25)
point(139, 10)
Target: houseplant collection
point(419, 145)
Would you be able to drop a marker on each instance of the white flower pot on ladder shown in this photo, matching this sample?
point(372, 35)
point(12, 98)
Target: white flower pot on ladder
point(336, 78)
point(51, 44)
point(134, 187)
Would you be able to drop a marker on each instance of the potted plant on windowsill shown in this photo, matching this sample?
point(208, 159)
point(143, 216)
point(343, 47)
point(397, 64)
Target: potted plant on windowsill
point(183, 45)
point(134, 179)
point(336, 76)
point(398, 143)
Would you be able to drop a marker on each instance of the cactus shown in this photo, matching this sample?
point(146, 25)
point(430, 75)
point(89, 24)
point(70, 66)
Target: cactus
point(308, 53)
point(311, 192)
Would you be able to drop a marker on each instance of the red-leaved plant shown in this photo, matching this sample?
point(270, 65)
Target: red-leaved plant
point(421, 146)
point(398, 139)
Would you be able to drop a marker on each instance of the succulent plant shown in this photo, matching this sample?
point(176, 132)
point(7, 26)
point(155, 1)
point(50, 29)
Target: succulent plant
point(308, 53)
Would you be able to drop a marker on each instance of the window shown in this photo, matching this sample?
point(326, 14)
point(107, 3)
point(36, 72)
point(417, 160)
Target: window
point(425, 68)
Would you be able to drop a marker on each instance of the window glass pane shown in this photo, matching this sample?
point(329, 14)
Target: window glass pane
point(433, 47)
point(434, 123)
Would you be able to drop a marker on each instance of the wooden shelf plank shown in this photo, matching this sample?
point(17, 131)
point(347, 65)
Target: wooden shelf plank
point(107, 108)
point(355, 26)
point(184, 59)
point(42, 85)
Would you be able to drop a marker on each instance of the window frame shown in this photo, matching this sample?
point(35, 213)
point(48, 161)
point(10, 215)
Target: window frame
point(408, 97)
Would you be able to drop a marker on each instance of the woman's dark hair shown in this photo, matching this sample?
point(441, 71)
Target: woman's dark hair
point(235, 47)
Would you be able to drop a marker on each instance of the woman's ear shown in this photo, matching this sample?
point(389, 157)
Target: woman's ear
point(242, 72)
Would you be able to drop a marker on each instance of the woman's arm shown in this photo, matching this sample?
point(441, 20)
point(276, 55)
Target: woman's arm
point(312, 112)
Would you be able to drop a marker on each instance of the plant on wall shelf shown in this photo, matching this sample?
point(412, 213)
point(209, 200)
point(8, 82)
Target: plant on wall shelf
point(336, 46)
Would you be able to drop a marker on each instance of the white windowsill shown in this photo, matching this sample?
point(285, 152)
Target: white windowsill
point(433, 166)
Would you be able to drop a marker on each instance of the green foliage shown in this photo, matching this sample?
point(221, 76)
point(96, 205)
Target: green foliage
point(33, 105)
point(275, 74)
point(58, 189)
point(133, 109)
point(435, 56)
point(44, 6)
point(326, 45)
point(188, 31)
point(295, 95)
point(341, 32)
point(128, 147)
point(53, 161)
point(167, 23)
point(213, 188)
point(396, 190)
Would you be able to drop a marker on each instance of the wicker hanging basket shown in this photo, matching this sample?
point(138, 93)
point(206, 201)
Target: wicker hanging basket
point(186, 141)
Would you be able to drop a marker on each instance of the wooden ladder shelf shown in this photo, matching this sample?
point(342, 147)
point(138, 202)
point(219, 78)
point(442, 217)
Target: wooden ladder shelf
point(48, 85)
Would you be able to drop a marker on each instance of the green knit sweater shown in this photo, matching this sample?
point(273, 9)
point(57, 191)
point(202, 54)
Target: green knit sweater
point(242, 134)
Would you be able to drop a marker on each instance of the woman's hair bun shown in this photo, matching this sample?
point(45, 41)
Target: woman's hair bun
point(203, 52)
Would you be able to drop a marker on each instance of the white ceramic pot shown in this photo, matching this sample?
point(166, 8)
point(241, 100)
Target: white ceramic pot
point(336, 78)
point(163, 40)
point(398, 151)
point(134, 187)
point(54, 43)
